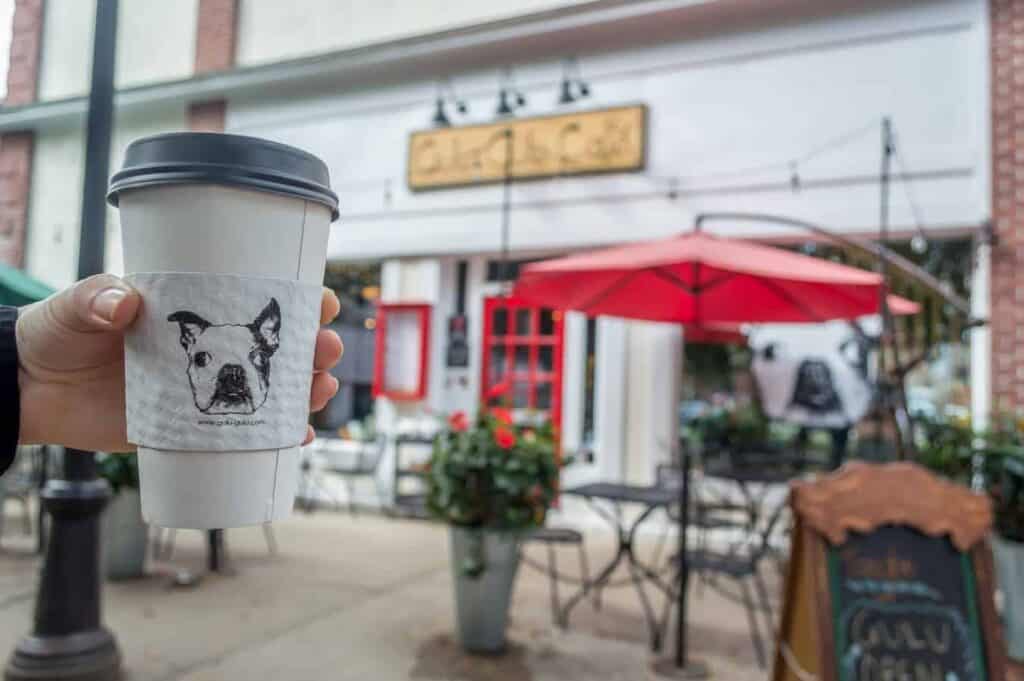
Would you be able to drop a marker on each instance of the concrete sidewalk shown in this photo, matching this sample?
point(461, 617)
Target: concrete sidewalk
point(365, 598)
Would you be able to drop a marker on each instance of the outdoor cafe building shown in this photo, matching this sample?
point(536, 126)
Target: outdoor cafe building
point(671, 108)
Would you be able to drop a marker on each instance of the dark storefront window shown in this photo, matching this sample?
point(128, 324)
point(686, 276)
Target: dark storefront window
point(358, 287)
point(590, 382)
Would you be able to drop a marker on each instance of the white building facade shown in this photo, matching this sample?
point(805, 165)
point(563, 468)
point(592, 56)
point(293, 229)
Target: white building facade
point(751, 106)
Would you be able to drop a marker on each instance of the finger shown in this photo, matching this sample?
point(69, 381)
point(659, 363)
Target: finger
point(310, 435)
point(329, 349)
point(330, 306)
point(100, 303)
point(324, 388)
point(72, 329)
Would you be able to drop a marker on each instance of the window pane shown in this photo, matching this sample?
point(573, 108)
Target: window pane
point(522, 322)
point(500, 325)
point(503, 271)
point(544, 395)
point(547, 322)
point(521, 395)
point(497, 366)
point(522, 358)
point(545, 358)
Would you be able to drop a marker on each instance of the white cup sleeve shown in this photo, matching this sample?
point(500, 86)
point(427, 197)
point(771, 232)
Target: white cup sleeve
point(220, 362)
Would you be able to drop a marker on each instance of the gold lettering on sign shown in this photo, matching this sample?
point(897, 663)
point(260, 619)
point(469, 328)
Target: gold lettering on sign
point(610, 140)
point(891, 567)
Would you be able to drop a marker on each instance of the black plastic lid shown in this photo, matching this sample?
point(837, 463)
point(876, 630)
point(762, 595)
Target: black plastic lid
point(198, 157)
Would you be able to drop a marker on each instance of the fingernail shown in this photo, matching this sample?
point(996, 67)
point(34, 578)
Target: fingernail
point(104, 304)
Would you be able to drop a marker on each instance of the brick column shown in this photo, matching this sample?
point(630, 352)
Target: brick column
point(1007, 280)
point(207, 116)
point(16, 147)
point(216, 28)
point(26, 36)
point(15, 181)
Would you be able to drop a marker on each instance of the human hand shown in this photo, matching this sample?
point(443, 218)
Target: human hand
point(71, 364)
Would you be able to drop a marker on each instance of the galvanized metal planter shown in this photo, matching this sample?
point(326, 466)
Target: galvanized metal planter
point(484, 564)
point(124, 536)
point(1009, 560)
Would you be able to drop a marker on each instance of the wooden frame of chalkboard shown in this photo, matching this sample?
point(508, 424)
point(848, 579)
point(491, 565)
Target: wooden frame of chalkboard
point(890, 576)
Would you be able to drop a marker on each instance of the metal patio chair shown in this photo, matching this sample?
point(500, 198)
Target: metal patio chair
point(163, 541)
point(742, 565)
point(709, 511)
point(552, 537)
point(319, 462)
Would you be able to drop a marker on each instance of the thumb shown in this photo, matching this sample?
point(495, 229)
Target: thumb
point(100, 303)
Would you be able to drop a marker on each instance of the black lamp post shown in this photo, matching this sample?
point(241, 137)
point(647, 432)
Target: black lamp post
point(68, 640)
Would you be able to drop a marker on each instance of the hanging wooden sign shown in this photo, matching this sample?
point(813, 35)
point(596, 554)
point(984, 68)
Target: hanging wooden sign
point(609, 140)
point(890, 577)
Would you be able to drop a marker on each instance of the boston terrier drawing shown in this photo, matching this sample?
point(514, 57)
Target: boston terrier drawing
point(229, 364)
point(816, 375)
point(814, 389)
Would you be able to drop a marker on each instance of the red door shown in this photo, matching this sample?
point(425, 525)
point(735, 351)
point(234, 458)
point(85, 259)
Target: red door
point(523, 354)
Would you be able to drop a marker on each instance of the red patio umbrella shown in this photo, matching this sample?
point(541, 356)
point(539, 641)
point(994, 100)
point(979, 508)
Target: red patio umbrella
point(729, 333)
point(900, 306)
point(699, 279)
point(715, 334)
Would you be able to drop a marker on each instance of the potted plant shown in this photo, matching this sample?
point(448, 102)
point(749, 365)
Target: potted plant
point(1007, 491)
point(948, 447)
point(490, 481)
point(945, 447)
point(124, 532)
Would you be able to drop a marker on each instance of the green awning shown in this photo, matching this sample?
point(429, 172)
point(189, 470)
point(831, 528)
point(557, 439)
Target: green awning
point(17, 288)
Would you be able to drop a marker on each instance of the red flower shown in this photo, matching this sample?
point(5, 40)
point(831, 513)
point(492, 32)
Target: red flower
point(503, 416)
point(504, 438)
point(497, 391)
point(458, 422)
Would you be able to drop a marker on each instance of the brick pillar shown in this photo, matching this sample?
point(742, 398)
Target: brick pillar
point(1007, 283)
point(216, 28)
point(207, 116)
point(16, 147)
point(26, 36)
point(15, 181)
point(215, 35)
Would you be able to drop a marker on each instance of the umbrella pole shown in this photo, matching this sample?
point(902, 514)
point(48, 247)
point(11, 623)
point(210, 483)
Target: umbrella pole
point(679, 666)
point(684, 561)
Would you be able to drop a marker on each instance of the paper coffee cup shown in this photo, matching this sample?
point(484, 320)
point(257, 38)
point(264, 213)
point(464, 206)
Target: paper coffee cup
point(226, 238)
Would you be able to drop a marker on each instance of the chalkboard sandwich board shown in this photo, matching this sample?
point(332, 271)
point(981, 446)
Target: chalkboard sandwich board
point(890, 579)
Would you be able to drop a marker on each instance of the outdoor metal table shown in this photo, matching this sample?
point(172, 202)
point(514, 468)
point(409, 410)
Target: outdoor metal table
point(617, 494)
point(745, 478)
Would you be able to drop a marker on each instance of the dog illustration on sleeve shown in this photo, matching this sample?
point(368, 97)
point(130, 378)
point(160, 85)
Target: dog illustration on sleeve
point(229, 364)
